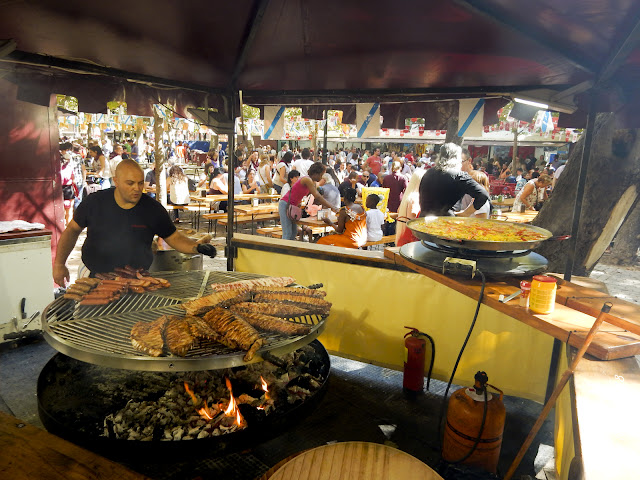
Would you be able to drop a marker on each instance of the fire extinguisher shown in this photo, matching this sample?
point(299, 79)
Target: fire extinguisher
point(475, 422)
point(414, 355)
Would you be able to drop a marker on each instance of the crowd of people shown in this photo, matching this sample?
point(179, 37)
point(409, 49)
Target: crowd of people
point(455, 185)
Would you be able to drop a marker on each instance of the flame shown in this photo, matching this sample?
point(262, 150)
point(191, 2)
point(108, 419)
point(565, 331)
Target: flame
point(206, 411)
point(191, 394)
point(232, 409)
point(265, 387)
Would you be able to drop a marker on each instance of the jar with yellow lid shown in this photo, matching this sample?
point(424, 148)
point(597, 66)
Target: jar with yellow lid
point(543, 294)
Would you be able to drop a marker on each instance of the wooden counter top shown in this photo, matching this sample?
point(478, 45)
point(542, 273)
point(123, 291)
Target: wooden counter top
point(30, 453)
point(27, 234)
point(575, 310)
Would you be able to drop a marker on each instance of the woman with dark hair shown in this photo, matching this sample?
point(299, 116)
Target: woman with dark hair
point(303, 187)
point(292, 177)
point(218, 187)
point(250, 185)
point(101, 166)
point(351, 229)
point(282, 169)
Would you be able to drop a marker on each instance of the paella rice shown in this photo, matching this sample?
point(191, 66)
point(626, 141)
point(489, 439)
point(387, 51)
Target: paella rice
point(478, 229)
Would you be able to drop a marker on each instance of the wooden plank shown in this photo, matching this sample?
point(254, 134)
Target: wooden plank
point(30, 453)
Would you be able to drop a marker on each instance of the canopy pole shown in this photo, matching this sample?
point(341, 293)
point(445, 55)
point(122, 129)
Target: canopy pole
point(582, 180)
point(324, 145)
point(231, 163)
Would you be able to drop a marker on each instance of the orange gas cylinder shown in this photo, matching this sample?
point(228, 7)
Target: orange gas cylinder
point(464, 421)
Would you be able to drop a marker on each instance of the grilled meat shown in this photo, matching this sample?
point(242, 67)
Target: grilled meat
point(200, 328)
point(274, 324)
point(177, 335)
point(274, 309)
point(148, 336)
point(236, 330)
point(256, 282)
point(307, 292)
point(315, 305)
point(202, 305)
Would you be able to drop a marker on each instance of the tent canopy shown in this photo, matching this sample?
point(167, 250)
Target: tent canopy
point(332, 51)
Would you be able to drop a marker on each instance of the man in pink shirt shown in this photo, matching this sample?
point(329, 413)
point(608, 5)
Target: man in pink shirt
point(374, 162)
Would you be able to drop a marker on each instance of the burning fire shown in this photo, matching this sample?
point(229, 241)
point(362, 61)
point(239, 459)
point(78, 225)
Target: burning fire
point(208, 413)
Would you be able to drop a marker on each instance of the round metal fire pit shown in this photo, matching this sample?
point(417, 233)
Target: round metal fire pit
point(75, 397)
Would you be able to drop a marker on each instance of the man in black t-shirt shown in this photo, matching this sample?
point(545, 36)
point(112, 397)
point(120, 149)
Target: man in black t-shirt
point(445, 185)
point(121, 223)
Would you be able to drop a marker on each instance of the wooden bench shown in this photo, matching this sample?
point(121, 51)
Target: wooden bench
point(270, 231)
point(213, 219)
point(382, 241)
point(243, 219)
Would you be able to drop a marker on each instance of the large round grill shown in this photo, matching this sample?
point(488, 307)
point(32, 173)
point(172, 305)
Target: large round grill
point(101, 334)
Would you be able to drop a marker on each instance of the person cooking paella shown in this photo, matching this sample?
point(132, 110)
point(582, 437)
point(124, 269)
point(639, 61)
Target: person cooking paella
point(121, 223)
point(445, 184)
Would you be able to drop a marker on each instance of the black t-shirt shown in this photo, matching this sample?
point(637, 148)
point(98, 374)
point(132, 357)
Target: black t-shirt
point(151, 178)
point(117, 237)
point(440, 190)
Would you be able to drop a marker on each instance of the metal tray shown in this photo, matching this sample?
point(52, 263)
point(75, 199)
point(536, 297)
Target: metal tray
point(101, 334)
point(477, 244)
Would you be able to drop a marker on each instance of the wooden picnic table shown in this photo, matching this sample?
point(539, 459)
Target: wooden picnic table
point(237, 197)
point(526, 217)
point(262, 209)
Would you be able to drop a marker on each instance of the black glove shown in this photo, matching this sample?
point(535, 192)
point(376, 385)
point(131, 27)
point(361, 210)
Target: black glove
point(207, 249)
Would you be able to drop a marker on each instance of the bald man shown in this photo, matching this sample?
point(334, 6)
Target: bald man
point(121, 223)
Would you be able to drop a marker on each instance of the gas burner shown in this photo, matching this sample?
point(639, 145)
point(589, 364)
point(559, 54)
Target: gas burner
point(473, 254)
point(520, 263)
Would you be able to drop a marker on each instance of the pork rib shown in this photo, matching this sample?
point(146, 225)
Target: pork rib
point(274, 309)
point(274, 324)
point(202, 305)
point(245, 285)
point(307, 292)
point(235, 329)
point(312, 304)
point(148, 336)
point(177, 335)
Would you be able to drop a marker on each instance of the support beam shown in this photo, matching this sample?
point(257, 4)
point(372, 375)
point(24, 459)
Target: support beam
point(231, 163)
point(497, 15)
point(27, 58)
point(249, 37)
point(619, 54)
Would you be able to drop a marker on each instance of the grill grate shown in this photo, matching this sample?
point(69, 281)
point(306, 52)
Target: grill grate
point(101, 334)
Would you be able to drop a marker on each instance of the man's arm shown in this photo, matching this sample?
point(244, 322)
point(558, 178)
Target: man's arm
point(184, 244)
point(66, 244)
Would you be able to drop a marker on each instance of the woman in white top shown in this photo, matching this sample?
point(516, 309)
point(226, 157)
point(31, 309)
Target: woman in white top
point(264, 174)
point(178, 189)
point(103, 170)
point(282, 169)
point(409, 208)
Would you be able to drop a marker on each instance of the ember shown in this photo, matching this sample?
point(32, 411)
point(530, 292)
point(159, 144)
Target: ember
point(201, 405)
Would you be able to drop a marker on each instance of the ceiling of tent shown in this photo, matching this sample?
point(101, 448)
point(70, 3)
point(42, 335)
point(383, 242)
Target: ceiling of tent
point(334, 50)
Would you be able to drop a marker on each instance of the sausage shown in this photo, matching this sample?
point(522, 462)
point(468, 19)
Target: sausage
point(95, 301)
point(137, 289)
point(72, 296)
point(92, 282)
point(131, 270)
point(81, 286)
point(117, 281)
point(165, 283)
point(123, 273)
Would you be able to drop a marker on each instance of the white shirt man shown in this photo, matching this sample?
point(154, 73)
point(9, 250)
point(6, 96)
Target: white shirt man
point(113, 163)
point(302, 165)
